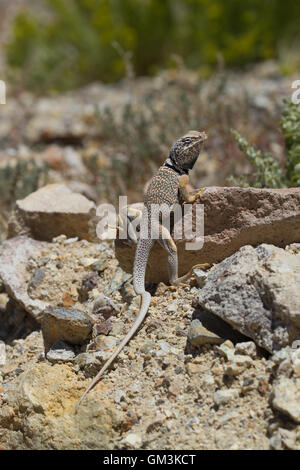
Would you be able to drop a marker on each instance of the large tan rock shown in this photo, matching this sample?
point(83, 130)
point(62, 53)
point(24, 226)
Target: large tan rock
point(51, 211)
point(233, 217)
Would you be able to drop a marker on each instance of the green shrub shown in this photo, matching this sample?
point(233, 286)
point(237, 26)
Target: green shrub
point(267, 170)
point(290, 125)
point(71, 43)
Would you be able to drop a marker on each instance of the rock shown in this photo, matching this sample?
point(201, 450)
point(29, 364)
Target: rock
point(226, 350)
point(199, 335)
point(176, 386)
point(91, 362)
point(256, 291)
point(65, 324)
point(233, 217)
point(172, 307)
point(42, 402)
point(286, 398)
point(51, 211)
point(148, 346)
point(14, 255)
point(105, 343)
point(89, 282)
point(248, 348)
point(200, 276)
point(233, 369)
point(222, 397)
point(105, 307)
point(36, 278)
point(2, 354)
point(132, 440)
point(242, 361)
point(118, 328)
point(289, 438)
point(102, 327)
point(285, 395)
point(60, 352)
point(119, 396)
point(119, 278)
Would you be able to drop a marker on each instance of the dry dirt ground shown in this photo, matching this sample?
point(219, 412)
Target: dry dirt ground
point(161, 393)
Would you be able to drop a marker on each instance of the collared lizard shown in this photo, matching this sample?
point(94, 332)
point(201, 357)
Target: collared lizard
point(168, 186)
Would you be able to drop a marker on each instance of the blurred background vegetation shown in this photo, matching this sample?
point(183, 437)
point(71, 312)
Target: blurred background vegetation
point(68, 43)
point(207, 66)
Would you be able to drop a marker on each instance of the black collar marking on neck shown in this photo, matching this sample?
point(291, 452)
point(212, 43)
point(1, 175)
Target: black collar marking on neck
point(169, 163)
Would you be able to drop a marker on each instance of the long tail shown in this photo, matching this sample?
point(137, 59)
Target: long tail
point(139, 270)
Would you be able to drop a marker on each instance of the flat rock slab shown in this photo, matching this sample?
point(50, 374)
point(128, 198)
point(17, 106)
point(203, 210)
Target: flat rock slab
point(233, 217)
point(14, 255)
point(256, 291)
point(52, 211)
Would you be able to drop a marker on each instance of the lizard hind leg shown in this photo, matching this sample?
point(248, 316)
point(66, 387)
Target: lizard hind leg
point(168, 244)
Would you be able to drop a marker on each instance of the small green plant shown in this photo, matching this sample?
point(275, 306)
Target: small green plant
point(17, 180)
point(290, 125)
point(268, 172)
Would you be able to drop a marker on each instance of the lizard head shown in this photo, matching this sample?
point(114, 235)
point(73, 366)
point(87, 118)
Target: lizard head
point(185, 151)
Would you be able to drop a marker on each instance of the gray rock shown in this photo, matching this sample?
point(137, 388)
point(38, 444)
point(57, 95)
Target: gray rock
point(222, 397)
point(226, 350)
point(148, 346)
point(105, 306)
point(14, 255)
point(256, 291)
point(102, 327)
point(200, 276)
point(65, 324)
point(119, 395)
point(120, 277)
point(289, 438)
point(132, 441)
point(88, 283)
point(60, 352)
point(285, 394)
point(36, 279)
point(118, 328)
point(247, 348)
point(286, 397)
point(199, 335)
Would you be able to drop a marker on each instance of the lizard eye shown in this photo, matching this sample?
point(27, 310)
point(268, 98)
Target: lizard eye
point(187, 140)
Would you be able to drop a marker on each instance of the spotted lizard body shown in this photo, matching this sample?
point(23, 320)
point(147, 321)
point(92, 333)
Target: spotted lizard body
point(168, 186)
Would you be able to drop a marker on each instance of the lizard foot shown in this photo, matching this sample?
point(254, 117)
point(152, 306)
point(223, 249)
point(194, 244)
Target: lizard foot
point(198, 193)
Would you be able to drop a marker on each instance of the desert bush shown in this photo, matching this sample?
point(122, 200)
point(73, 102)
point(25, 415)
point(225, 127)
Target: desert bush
point(268, 172)
point(17, 180)
point(290, 125)
point(71, 43)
